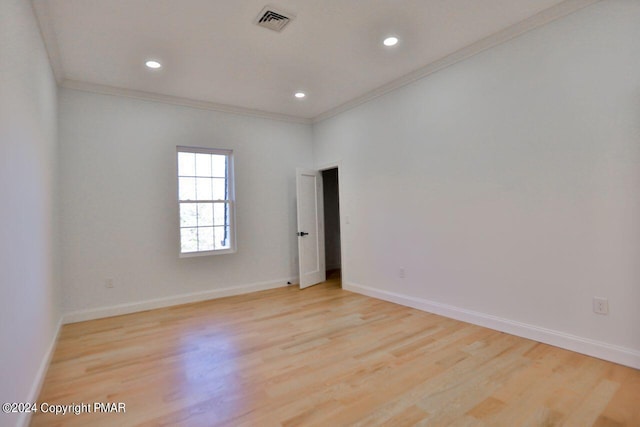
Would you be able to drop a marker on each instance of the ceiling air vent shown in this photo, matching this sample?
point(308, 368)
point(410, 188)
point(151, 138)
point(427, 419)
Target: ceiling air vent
point(273, 19)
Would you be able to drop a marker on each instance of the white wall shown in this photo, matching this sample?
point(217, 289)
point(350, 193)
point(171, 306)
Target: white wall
point(29, 311)
point(507, 185)
point(119, 186)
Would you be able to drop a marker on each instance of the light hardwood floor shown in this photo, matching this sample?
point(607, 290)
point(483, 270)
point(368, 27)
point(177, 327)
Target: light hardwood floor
point(325, 357)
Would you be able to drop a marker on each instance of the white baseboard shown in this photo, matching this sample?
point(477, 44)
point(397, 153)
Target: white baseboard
point(613, 353)
point(36, 387)
point(117, 310)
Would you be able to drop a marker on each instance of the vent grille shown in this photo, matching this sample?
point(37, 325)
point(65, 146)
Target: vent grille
point(273, 18)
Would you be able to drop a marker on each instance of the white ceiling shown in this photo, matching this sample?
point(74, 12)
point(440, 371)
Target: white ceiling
point(212, 51)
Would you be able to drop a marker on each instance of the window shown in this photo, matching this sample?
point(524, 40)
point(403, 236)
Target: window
point(205, 196)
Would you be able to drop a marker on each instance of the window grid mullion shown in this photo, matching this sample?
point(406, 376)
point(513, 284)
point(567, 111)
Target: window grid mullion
point(227, 209)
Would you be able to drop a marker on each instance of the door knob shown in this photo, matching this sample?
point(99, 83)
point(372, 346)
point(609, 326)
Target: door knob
point(302, 234)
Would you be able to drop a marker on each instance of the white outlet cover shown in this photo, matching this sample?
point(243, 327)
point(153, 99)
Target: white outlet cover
point(600, 305)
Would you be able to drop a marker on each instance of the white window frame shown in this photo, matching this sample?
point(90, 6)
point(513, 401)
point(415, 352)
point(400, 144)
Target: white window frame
point(230, 200)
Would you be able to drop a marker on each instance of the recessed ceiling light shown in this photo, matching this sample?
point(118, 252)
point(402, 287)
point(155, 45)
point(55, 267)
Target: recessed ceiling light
point(390, 41)
point(299, 95)
point(153, 64)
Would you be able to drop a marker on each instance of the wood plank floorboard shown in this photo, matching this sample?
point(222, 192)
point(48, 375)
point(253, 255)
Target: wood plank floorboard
point(325, 357)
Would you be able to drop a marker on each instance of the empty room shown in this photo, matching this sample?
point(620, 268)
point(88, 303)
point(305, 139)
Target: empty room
point(320, 213)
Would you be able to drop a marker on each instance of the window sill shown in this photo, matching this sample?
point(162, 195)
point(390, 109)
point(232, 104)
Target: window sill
point(207, 253)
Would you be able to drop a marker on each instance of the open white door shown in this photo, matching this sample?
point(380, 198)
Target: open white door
point(310, 227)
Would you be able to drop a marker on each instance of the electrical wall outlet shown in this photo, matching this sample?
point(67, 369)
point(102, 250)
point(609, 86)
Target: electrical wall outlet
point(401, 273)
point(108, 283)
point(600, 305)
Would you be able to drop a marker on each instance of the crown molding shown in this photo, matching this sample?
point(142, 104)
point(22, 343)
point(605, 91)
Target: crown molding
point(43, 16)
point(544, 17)
point(176, 100)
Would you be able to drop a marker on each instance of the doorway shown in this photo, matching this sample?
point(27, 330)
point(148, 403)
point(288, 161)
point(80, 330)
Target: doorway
point(316, 200)
point(332, 241)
